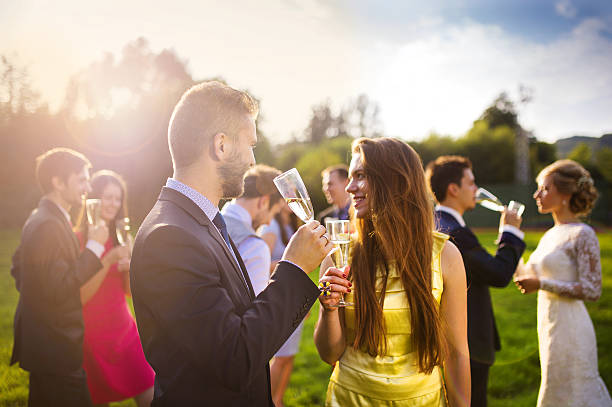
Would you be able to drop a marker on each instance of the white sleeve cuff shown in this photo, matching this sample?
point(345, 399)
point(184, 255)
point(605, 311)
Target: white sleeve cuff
point(96, 247)
point(514, 230)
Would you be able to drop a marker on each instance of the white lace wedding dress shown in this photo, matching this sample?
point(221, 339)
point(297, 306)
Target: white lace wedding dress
point(567, 261)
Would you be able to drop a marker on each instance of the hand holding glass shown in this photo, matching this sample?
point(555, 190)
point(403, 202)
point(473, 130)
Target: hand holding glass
point(293, 190)
point(340, 236)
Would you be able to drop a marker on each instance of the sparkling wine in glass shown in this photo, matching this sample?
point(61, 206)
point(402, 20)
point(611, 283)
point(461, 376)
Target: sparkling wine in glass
point(340, 236)
point(293, 190)
point(488, 200)
point(123, 232)
point(93, 208)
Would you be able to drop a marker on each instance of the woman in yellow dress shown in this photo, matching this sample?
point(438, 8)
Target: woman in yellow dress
point(404, 342)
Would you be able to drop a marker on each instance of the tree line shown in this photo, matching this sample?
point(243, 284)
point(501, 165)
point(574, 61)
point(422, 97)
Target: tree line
point(116, 111)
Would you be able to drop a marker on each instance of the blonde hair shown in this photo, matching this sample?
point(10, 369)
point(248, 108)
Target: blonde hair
point(204, 110)
point(572, 179)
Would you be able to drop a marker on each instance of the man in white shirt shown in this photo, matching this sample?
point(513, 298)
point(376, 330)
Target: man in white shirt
point(452, 183)
point(257, 205)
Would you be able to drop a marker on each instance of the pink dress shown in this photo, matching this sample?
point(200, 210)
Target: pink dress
point(112, 353)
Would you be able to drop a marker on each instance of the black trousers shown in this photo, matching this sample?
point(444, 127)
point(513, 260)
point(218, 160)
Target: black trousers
point(48, 390)
point(480, 379)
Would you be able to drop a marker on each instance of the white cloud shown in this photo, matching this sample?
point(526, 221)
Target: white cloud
point(565, 9)
point(443, 80)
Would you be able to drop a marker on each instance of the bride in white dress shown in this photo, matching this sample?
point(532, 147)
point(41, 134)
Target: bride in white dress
point(565, 269)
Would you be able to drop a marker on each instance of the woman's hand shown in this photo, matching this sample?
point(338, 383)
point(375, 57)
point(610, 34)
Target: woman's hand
point(333, 284)
point(123, 265)
point(527, 284)
point(117, 254)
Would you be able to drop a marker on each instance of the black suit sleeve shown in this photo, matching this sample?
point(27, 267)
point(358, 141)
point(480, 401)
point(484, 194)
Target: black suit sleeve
point(495, 271)
point(182, 286)
point(49, 267)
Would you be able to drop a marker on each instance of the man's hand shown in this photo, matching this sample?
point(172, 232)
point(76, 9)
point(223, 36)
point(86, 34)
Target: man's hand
point(308, 246)
point(510, 218)
point(99, 233)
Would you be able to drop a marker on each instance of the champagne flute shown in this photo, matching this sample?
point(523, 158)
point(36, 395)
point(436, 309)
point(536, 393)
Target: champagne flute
point(93, 208)
point(490, 201)
point(293, 190)
point(340, 236)
point(123, 232)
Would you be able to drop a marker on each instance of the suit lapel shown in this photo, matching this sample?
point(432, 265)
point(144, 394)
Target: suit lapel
point(52, 208)
point(245, 273)
point(169, 194)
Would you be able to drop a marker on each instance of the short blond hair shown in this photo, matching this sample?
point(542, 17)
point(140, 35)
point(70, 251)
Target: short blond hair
point(204, 110)
point(571, 178)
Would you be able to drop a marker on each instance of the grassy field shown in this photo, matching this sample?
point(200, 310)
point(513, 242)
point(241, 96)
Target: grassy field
point(514, 379)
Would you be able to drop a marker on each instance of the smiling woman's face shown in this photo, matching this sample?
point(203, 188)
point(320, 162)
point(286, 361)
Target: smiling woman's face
point(111, 200)
point(358, 187)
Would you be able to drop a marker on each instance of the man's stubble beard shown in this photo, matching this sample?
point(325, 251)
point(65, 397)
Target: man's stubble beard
point(232, 177)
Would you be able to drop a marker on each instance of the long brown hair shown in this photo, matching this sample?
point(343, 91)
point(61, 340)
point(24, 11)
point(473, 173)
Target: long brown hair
point(397, 231)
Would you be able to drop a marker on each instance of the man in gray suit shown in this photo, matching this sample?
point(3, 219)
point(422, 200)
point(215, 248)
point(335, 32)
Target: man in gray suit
point(204, 332)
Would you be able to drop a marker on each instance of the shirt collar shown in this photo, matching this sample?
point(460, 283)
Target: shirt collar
point(234, 210)
point(209, 209)
point(452, 212)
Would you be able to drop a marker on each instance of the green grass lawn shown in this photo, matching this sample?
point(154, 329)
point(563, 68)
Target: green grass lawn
point(514, 379)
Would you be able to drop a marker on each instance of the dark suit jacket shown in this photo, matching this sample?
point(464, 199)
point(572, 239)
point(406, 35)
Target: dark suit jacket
point(49, 270)
point(334, 212)
point(483, 270)
point(207, 337)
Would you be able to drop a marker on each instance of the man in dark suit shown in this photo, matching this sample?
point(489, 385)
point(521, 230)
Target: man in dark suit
point(204, 332)
point(452, 182)
point(49, 270)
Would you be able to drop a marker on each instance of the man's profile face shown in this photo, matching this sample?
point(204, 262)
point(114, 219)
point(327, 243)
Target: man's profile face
point(76, 187)
point(334, 188)
point(467, 190)
point(242, 158)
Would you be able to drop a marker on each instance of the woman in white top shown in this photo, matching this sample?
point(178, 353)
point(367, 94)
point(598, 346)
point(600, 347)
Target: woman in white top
point(565, 269)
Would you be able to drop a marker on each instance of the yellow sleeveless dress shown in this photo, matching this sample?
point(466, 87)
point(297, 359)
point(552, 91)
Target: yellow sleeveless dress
point(392, 379)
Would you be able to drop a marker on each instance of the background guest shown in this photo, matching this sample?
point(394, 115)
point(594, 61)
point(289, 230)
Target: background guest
point(277, 235)
point(335, 180)
point(113, 357)
point(49, 271)
point(452, 183)
point(565, 269)
point(257, 205)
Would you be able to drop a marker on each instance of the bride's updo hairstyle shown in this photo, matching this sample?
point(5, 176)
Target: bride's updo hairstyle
point(572, 179)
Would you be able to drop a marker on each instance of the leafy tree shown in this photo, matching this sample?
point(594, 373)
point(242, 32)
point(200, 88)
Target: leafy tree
point(540, 155)
point(501, 113)
point(491, 150)
point(603, 159)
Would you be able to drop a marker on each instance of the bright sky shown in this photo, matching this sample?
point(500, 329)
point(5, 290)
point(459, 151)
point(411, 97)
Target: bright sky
point(431, 67)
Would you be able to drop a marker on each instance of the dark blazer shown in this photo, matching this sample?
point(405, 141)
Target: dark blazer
point(206, 335)
point(483, 270)
point(334, 212)
point(49, 270)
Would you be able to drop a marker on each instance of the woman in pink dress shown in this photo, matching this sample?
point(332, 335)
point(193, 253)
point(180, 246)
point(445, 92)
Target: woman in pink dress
point(113, 357)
